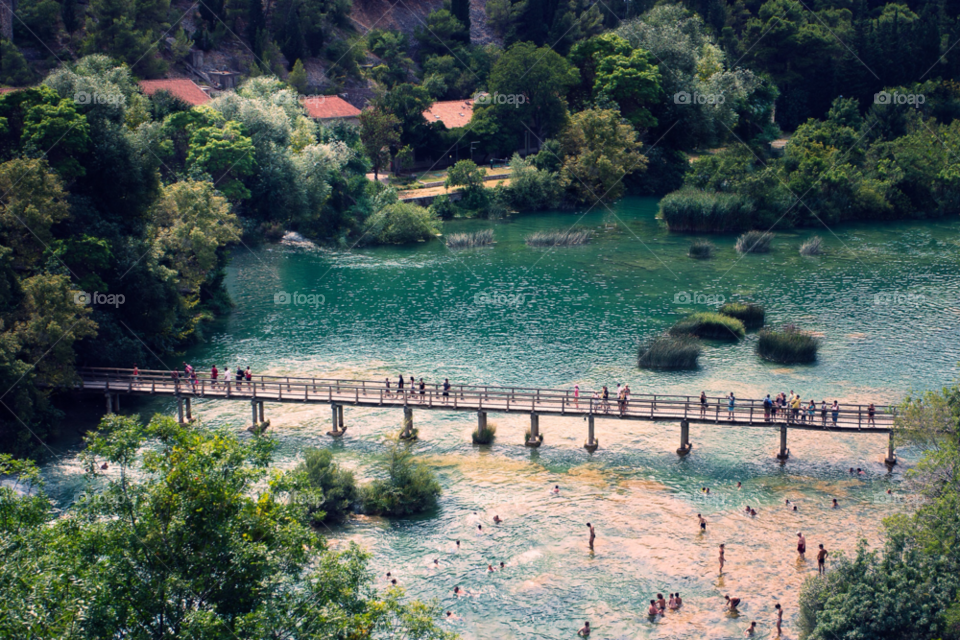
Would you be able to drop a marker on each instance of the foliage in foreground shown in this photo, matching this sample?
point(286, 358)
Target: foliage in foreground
point(188, 535)
point(670, 352)
point(751, 315)
point(908, 589)
point(409, 487)
point(788, 345)
point(713, 326)
point(328, 491)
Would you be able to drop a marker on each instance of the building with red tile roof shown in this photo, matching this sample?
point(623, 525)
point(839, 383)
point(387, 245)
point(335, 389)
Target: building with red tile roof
point(452, 113)
point(183, 88)
point(330, 109)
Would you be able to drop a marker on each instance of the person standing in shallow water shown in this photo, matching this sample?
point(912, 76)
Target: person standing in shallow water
point(721, 559)
point(801, 544)
point(593, 535)
point(821, 561)
point(779, 619)
point(585, 631)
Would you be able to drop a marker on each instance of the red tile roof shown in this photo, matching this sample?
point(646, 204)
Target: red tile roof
point(452, 113)
point(186, 90)
point(327, 107)
point(4, 90)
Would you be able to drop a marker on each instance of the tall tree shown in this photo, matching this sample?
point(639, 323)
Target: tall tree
point(379, 132)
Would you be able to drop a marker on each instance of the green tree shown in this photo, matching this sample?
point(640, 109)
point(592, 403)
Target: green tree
point(32, 202)
point(298, 77)
point(14, 69)
point(226, 154)
point(408, 488)
point(460, 9)
point(193, 537)
point(466, 174)
point(599, 150)
point(328, 491)
point(129, 31)
point(379, 132)
point(536, 80)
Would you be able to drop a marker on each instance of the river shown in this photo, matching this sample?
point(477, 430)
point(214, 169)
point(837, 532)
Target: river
point(884, 298)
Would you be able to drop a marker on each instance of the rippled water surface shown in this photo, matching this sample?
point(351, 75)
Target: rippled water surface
point(884, 298)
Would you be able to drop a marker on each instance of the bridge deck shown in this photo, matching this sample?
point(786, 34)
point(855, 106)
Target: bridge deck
point(747, 412)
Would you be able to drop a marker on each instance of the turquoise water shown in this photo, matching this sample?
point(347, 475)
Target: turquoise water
point(884, 299)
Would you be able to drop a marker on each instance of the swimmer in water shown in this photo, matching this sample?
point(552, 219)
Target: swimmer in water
point(585, 631)
point(801, 544)
point(751, 629)
point(490, 568)
point(672, 602)
point(501, 564)
point(653, 611)
point(497, 519)
point(458, 592)
point(556, 488)
point(593, 534)
point(753, 512)
point(479, 528)
point(436, 563)
point(679, 600)
point(732, 603)
point(739, 485)
point(661, 603)
point(835, 505)
point(794, 507)
point(703, 522)
point(394, 582)
point(458, 545)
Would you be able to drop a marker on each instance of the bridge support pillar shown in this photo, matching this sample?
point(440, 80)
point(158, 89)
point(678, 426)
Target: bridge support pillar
point(258, 424)
point(336, 420)
point(109, 397)
point(891, 458)
point(784, 452)
point(535, 439)
point(591, 444)
point(408, 432)
point(180, 410)
point(260, 409)
point(186, 407)
point(685, 445)
point(481, 420)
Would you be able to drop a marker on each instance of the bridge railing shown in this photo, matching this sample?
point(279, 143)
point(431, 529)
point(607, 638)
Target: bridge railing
point(493, 398)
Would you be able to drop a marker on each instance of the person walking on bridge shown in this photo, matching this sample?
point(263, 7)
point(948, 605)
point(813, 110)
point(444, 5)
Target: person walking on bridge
point(703, 404)
point(731, 404)
point(400, 386)
point(239, 376)
point(214, 374)
point(387, 381)
point(767, 405)
point(446, 389)
point(423, 387)
point(823, 413)
point(606, 400)
point(835, 412)
point(871, 413)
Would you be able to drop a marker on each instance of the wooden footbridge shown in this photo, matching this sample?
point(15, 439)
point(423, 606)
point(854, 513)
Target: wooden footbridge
point(851, 418)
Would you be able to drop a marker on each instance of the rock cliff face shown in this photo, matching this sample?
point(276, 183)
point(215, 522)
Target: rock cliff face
point(407, 15)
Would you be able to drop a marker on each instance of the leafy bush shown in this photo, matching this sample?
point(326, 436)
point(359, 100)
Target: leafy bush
point(470, 240)
point(331, 491)
point(409, 488)
point(531, 188)
point(559, 238)
point(670, 352)
point(485, 435)
point(401, 223)
point(701, 249)
point(443, 207)
point(789, 345)
point(709, 325)
point(755, 242)
point(698, 211)
point(812, 247)
point(751, 315)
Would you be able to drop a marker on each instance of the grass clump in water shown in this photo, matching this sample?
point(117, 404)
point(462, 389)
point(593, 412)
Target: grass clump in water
point(558, 238)
point(670, 352)
point(701, 249)
point(788, 345)
point(755, 242)
point(812, 247)
point(751, 315)
point(329, 492)
point(410, 487)
point(485, 435)
point(710, 325)
point(470, 240)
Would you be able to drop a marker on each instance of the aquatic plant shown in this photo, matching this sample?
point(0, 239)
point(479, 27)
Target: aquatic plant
point(812, 247)
point(755, 242)
point(485, 435)
point(559, 238)
point(709, 325)
point(701, 249)
point(694, 210)
point(470, 240)
point(329, 492)
point(410, 487)
point(670, 352)
point(751, 315)
point(788, 345)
